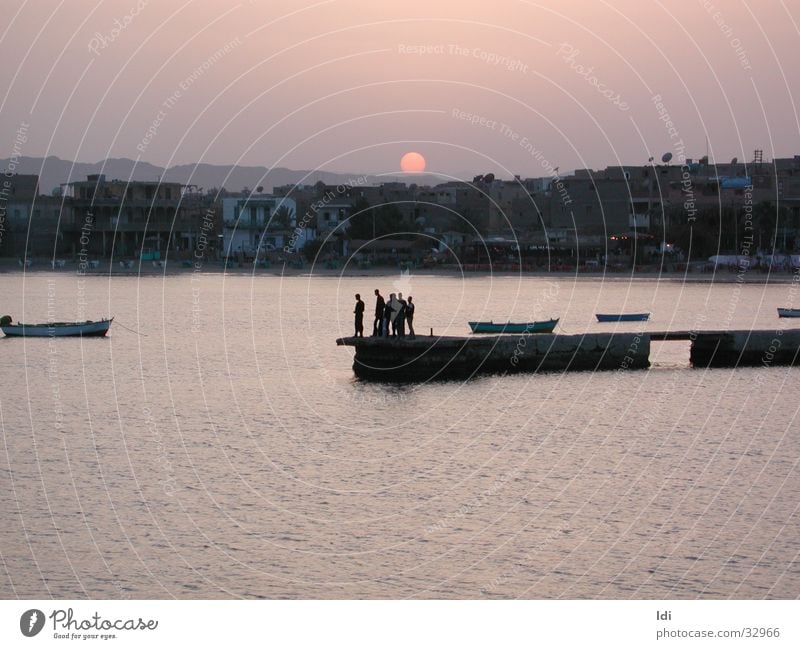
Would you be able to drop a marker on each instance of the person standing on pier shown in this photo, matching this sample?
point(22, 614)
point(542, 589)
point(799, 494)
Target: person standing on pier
point(359, 312)
point(400, 320)
point(410, 317)
point(395, 304)
point(388, 315)
point(380, 305)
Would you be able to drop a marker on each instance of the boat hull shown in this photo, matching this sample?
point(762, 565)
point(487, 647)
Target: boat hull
point(788, 313)
point(542, 327)
point(58, 329)
point(622, 317)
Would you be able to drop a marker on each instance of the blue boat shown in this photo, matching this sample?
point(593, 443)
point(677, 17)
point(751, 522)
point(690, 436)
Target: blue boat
point(622, 317)
point(541, 327)
point(55, 329)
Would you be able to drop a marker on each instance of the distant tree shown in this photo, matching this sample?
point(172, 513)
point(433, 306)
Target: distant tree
point(381, 221)
point(282, 218)
point(312, 249)
point(765, 224)
point(699, 238)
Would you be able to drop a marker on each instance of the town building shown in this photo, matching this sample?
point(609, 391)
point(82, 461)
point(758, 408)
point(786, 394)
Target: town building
point(259, 223)
point(30, 224)
point(147, 220)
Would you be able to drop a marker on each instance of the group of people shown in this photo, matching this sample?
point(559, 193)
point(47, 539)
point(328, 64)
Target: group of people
point(394, 314)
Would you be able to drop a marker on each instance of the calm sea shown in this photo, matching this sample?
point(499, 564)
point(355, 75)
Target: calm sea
point(217, 445)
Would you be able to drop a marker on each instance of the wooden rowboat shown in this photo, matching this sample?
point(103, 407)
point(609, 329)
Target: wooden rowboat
point(55, 329)
point(541, 327)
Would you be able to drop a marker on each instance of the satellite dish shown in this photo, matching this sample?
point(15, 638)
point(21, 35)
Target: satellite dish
point(734, 161)
point(666, 157)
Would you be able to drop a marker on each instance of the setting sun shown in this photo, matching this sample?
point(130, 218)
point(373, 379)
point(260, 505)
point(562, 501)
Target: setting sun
point(412, 162)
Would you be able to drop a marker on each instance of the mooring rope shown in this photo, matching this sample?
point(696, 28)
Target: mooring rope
point(131, 330)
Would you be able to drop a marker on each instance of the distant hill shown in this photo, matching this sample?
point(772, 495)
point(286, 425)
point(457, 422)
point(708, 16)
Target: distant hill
point(53, 171)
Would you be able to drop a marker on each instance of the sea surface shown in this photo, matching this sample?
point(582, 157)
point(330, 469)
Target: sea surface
point(217, 445)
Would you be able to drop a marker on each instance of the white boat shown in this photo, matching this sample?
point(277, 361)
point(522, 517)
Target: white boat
point(53, 329)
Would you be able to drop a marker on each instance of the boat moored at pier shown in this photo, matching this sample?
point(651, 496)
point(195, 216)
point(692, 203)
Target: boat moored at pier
point(542, 326)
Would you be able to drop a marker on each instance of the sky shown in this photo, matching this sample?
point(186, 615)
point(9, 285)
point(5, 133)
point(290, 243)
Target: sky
point(509, 86)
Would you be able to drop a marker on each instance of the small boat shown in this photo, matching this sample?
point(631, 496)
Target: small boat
point(541, 327)
point(622, 317)
point(52, 329)
point(788, 313)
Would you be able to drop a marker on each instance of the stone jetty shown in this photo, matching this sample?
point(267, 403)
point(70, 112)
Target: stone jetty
point(745, 348)
point(447, 357)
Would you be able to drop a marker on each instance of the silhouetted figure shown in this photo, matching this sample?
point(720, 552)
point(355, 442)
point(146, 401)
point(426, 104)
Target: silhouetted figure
point(359, 311)
point(410, 317)
point(395, 304)
point(380, 305)
point(400, 319)
point(388, 315)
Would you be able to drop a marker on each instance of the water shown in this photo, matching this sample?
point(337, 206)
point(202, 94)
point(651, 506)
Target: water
point(227, 450)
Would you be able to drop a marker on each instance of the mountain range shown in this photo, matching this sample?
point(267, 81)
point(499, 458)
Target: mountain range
point(54, 171)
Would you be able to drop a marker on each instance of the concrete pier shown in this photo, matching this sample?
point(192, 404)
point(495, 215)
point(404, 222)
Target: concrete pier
point(446, 357)
point(745, 348)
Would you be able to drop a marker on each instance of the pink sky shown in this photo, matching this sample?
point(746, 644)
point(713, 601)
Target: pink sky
point(352, 85)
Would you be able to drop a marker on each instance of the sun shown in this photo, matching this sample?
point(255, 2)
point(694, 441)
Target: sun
point(412, 162)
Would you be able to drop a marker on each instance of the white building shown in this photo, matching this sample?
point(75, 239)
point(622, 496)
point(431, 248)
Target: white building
point(333, 215)
point(259, 223)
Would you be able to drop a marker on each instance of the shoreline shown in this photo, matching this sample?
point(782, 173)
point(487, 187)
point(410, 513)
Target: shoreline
point(215, 268)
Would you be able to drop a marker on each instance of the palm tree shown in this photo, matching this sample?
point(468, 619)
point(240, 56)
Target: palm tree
point(765, 221)
point(282, 218)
